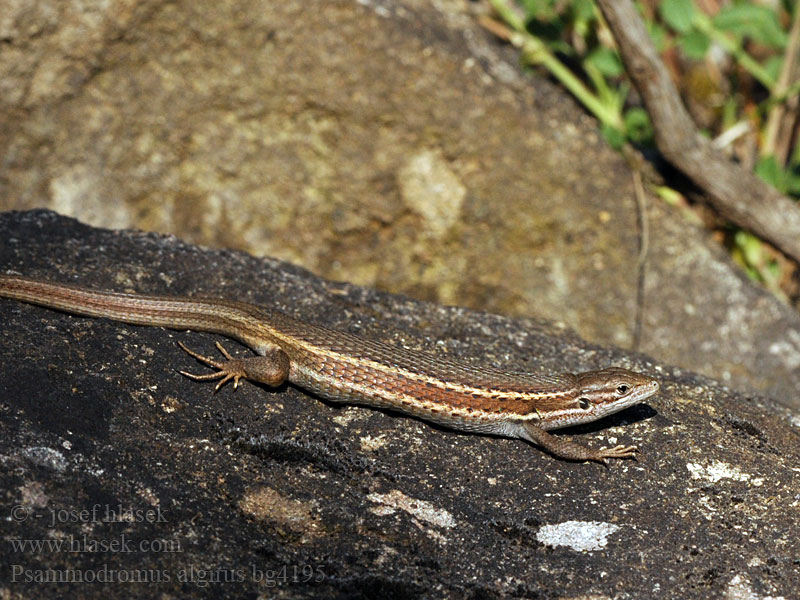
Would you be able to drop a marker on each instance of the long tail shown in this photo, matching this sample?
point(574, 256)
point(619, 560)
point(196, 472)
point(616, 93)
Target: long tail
point(199, 314)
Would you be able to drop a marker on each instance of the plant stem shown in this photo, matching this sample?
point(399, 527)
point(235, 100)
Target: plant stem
point(536, 52)
point(706, 26)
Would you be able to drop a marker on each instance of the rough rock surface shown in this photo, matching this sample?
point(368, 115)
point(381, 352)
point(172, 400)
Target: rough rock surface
point(274, 492)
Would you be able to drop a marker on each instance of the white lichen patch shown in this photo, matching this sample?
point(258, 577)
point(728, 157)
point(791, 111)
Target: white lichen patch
point(788, 349)
point(371, 443)
point(419, 509)
point(719, 470)
point(740, 588)
point(581, 536)
point(348, 415)
point(46, 457)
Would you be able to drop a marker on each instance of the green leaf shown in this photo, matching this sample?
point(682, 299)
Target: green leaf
point(606, 61)
point(613, 136)
point(539, 9)
point(786, 180)
point(768, 169)
point(638, 127)
point(658, 34)
point(677, 14)
point(774, 270)
point(583, 10)
point(694, 44)
point(730, 112)
point(752, 20)
point(793, 180)
point(583, 18)
point(793, 185)
point(751, 248)
point(773, 66)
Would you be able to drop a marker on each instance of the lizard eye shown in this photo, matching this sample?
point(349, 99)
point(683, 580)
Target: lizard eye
point(584, 403)
point(623, 389)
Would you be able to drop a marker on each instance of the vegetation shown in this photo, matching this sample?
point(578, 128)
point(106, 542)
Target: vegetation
point(736, 63)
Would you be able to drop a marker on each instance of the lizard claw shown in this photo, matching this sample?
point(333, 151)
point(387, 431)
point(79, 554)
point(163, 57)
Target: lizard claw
point(230, 369)
point(616, 452)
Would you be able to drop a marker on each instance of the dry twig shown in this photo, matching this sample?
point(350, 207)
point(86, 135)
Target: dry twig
point(738, 195)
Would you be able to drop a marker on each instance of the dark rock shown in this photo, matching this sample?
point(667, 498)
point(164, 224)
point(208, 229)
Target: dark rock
point(276, 492)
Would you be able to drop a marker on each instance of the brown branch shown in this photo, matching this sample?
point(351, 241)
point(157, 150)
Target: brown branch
point(736, 194)
point(778, 136)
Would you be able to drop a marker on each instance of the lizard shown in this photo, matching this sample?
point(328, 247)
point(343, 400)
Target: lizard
point(345, 368)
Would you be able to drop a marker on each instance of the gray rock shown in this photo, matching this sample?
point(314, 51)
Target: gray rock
point(276, 492)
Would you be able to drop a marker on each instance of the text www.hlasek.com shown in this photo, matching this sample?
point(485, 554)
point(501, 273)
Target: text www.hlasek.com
point(84, 544)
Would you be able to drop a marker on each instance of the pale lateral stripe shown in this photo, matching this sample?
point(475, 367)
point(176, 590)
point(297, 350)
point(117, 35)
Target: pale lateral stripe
point(405, 402)
point(444, 385)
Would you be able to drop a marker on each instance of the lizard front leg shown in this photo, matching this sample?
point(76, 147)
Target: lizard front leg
point(566, 449)
point(271, 369)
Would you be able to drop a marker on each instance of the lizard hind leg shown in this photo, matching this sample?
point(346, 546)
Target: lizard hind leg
point(271, 369)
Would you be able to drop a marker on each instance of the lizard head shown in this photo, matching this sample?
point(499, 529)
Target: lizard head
point(593, 395)
point(607, 391)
